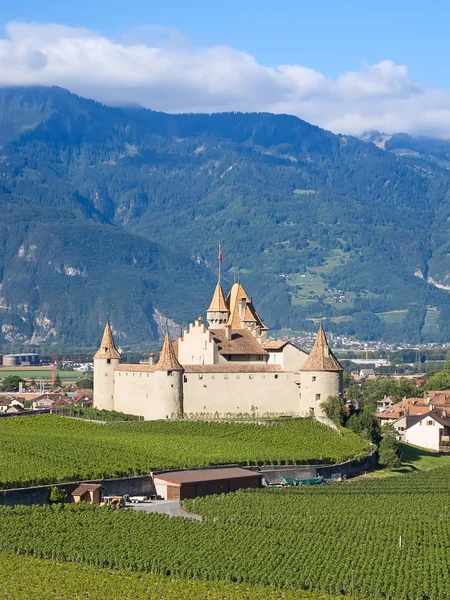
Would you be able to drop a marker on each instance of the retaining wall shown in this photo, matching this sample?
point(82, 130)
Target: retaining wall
point(347, 469)
point(143, 484)
point(134, 486)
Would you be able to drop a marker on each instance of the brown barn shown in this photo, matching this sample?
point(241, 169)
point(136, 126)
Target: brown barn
point(180, 485)
point(88, 492)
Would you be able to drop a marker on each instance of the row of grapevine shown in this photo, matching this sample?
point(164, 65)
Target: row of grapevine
point(48, 449)
point(300, 538)
point(27, 577)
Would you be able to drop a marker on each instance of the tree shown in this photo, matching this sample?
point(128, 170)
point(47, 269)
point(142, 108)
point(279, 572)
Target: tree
point(365, 424)
point(57, 496)
point(389, 452)
point(438, 381)
point(85, 384)
point(334, 408)
point(58, 382)
point(11, 383)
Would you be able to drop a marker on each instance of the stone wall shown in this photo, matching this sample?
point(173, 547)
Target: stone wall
point(141, 485)
point(348, 469)
point(245, 393)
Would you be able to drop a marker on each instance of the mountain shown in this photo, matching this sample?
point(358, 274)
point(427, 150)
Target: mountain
point(418, 149)
point(120, 210)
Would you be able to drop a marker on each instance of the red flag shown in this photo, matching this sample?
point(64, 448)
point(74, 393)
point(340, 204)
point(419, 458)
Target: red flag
point(220, 253)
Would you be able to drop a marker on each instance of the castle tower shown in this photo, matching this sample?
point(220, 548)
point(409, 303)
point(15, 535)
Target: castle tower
point(218, 312)
point(321, 377)
point(168, 376)
point(243, 314)
point(106, 360)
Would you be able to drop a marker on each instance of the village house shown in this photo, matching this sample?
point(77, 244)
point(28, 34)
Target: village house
point(431, 431)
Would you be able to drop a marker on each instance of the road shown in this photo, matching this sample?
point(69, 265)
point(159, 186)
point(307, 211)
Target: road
point(167, 507)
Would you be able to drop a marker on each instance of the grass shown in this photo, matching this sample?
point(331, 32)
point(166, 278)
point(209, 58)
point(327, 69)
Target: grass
point(431, 324)
point(393, 316)
point(42, 373)
point(414, 459)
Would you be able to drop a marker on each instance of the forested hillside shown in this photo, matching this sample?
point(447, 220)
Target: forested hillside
point(121, 210)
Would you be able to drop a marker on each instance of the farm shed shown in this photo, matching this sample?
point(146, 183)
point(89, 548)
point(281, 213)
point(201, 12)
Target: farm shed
point(179, 485)
point(88, 492)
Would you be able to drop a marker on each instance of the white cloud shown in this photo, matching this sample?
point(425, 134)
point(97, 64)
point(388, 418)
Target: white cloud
point(161, 69)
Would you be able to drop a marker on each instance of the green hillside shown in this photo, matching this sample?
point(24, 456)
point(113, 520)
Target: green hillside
point(41, 449)
point(121, 210)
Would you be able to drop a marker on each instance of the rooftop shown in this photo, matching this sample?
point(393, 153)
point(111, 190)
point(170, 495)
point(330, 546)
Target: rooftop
point(107, 347)
point(233, 368)
point(86, 487)
point(321, 358)
point(242, 342)
point(197, 476)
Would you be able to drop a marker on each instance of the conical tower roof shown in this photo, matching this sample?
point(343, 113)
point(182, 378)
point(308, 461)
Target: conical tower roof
point(167, 359)
point(218, 302)
point(234, 321)
point(107, 347)
point(321, 358)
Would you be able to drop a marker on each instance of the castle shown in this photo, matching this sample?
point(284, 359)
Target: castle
point(228, 368)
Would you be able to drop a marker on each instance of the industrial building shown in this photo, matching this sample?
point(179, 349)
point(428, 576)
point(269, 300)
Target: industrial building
point(179, 485)
point(14, 360)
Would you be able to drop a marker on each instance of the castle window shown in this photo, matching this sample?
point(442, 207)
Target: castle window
point(276, 376)
point(169, 372)
point(314, 378)
point(108, 361)
point(317, 397)
point(185, 379)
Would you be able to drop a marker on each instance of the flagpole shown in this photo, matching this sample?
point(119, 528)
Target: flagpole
point(220, 261)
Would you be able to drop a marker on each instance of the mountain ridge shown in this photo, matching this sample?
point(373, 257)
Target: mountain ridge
point(316, 223)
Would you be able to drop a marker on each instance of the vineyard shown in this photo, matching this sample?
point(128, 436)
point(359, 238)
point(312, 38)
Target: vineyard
point(27, 577)
point(48, 449)
point(394, 534)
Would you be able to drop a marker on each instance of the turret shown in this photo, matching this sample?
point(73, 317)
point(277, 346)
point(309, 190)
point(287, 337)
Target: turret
point(321, 377)
point(218, 312)
point(168, 376)
point(106, 360)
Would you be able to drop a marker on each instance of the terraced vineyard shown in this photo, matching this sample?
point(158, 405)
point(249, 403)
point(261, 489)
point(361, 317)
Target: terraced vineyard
point(27, 577)
point(393, 533)
point(48, 449)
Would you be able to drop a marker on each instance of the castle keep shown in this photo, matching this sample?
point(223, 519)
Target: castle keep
point(227, 368)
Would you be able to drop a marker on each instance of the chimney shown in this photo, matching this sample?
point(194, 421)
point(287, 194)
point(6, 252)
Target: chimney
point(242, 306)
point(227, 329)
point(21, 387)
point(151, 359)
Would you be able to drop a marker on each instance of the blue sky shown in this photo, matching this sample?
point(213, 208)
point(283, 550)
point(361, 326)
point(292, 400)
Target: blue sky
point(328, 38)
point(327, 35)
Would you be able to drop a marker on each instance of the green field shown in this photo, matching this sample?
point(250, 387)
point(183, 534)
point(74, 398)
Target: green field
point(393, 316)
point(36, 374)
point(393, 534)
point(305, 286)
point(28, 578)
point(48, 448)
point(414, 459)
point(431, 324)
